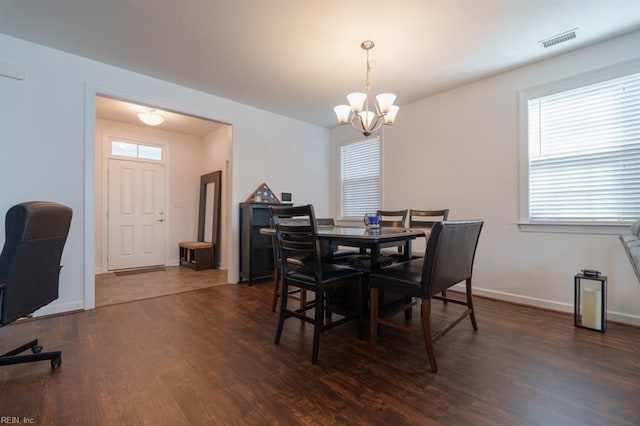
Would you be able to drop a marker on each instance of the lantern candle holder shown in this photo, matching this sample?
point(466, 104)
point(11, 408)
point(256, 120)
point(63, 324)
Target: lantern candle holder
point(590, 309)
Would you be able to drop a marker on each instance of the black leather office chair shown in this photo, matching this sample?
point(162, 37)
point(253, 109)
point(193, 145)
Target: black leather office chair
point(35, 232)
point(448, 260)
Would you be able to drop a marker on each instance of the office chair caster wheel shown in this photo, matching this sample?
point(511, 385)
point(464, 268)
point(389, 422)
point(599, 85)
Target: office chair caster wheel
point(56, 362)
point(36, 349)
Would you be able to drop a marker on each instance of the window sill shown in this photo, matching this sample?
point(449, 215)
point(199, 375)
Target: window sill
point(575, 228)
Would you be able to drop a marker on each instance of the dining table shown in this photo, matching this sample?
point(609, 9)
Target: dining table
point(369, 240)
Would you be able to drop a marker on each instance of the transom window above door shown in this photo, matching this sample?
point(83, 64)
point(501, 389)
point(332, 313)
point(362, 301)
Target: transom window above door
point(136, 150)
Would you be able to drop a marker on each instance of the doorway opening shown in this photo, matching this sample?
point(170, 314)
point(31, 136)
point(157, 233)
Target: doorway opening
point(145, 206)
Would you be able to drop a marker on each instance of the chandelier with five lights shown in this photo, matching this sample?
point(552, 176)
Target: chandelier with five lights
point(366, 113)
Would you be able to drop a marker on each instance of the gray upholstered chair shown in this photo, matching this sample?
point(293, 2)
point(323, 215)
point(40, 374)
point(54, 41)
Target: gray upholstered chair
point(631, 244)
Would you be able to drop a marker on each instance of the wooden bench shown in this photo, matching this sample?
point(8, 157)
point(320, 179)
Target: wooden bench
point(196, 255)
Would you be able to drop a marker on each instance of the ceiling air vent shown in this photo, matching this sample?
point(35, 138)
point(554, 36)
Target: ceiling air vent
point(560, 38)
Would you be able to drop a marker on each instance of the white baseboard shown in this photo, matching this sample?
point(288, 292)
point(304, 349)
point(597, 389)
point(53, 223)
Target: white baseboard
point(59, 308)
point(547, 304)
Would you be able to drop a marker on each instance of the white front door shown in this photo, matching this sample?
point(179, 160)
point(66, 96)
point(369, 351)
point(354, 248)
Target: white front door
point(136, 216)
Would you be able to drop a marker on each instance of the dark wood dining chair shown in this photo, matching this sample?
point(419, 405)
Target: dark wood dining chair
point(329, 252)
point(298, 239)
point(448, 261)
point(293, 293)
point(393, 219)
point(424, 219)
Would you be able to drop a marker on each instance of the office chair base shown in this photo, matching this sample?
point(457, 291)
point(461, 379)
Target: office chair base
point(12, 357)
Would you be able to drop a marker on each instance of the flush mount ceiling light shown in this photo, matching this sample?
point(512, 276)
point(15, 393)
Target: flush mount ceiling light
point(364, 117)
point(151, 118)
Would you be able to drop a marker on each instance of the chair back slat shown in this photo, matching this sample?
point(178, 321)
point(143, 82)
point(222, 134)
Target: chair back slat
point(393, 218)
point(290, 244)
point(449, 255)
point(296, 235)
point(424, 219)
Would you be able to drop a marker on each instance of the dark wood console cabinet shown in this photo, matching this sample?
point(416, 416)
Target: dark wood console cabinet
point(256, 249)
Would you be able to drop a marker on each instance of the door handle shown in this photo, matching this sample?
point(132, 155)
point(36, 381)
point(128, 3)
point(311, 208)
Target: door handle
point(159, 220)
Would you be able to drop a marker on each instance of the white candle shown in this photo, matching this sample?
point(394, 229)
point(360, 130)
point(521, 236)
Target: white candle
point(591, 308)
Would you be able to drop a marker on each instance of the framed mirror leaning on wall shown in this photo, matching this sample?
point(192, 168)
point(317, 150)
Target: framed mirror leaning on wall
point(209, 212)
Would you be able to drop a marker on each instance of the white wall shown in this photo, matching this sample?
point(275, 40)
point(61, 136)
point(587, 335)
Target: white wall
point(459, 150)
point(47, 133)
point(288, 161)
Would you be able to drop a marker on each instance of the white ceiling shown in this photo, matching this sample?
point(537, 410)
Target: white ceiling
point(125, 112)
point(299, 58)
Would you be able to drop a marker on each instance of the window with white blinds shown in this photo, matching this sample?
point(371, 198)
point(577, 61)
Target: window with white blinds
point(360, 177)
point(584, 153)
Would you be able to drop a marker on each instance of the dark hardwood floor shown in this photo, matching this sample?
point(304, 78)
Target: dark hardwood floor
point(207, 357)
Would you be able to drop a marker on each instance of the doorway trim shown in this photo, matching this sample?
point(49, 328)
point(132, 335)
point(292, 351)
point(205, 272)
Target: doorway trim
point(91, 91)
